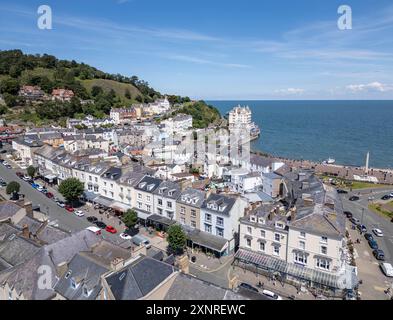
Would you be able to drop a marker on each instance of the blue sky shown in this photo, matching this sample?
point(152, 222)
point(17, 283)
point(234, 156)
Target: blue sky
point(256, 49)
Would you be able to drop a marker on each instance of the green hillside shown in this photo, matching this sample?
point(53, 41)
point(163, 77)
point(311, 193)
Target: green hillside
point(119, 88)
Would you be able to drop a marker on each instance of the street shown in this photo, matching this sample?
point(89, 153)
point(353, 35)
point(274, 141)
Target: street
point(372, 220)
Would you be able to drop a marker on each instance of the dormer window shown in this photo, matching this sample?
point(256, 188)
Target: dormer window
point(142, 185)
point(221, 208)
point(261, 220)
point(150, 187)
point(74, 284)
point(253, 219)
point(279, 225)
point(87, 292)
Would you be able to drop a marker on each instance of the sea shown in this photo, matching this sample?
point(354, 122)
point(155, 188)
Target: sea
point(317, 130)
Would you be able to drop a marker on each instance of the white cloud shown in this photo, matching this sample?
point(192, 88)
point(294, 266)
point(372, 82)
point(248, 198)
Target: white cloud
point(290, 91)
point(373, 86)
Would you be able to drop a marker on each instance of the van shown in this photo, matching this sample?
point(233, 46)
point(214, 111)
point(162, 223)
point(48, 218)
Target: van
point(387, 269)
point(95, 230)
point(141, 240)
point(271, 295)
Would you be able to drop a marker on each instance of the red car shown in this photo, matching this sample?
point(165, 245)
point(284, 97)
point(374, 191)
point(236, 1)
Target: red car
point(49, 195)
point(110, 229)
point(69, 208)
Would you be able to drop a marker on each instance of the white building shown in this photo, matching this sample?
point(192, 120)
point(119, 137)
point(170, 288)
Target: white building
point(220, 217)
point(240, 117)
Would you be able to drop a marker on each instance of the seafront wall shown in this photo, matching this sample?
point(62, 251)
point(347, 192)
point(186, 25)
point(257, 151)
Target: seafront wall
point(384, 176)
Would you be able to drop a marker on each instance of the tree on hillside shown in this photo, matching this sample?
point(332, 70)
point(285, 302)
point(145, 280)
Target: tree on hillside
point(130, 218)
point(127, 94)
point(31, 171)
point(176, 239)
point(13, 187)
point(96, 91)
point(71, 189)
point(10, 86)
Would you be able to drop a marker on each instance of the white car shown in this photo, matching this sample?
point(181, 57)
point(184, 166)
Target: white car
point(79, 213)
point(378, 232)
point(26, 178)
point(40, 188)
point(391, 194)
point(271, 295)
point(387, 269)
point(125, 236)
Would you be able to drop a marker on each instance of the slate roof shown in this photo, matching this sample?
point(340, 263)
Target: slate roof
point(139, 278)
point(186, 287)
point(25, 281)
point(168, 186)
point(86, 271)
point(8, 209)
point(219, 200)
point(190, 194)
point(148, 181)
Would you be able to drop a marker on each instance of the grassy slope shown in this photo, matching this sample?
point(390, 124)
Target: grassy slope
point(107, 85)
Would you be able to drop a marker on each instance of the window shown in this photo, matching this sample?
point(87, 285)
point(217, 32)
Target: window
point(89, 187)
point(139, 196)
point(96, 179)
point(182, 210)
point(220, 232)
point(249, 230)
point(324, 239)
point(323, 264)
point(276, 250)
point(263, 234)
point(302, 245)
point(208, 217)
point(302, 234)
point(193, 213)
point(139, 205)
point(193, 224)
point(182, 220)
point(277, 237)
point(323, 249)
point(148, 198)
point(220, 221)
point(262, 246)
point(95, 189)
point(160, 202)
point(111, 185)
point(208, 228)
point(148, 207)
point(90, 179)
point(300, 258)
point(104, 183)
point(169, 204)
point(248, 243)
point(159, 211)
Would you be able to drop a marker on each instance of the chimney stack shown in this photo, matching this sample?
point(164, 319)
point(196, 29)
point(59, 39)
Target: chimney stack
point(25, 231)
point(117, 264)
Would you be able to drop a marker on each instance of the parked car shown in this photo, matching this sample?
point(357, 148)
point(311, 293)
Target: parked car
point(3, 183)
point(379, 254)
point(354, 198)
point(79, 213)
point(342, 191)
point(369, 236)
point(19, 174)
point(348, 214)
point(378, 232)
point(386, 197)
point(100, 224)
point(26, 178)
point(110, 229)
point(35, 186)
point(92, 219)
point(391, 194)
point(125, 236)
point(362, 228)
point(69, 208)
point(248, 287)
point(373, 244)
point(271, 295)
point(355, 220)
point(387, 269)
point(49, 195)
point(61, 204)
point(95, 230)
point(141, 240)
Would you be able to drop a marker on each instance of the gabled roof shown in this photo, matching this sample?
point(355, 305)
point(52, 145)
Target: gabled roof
point(148, 184)
point(139, 278)
point(220, 201)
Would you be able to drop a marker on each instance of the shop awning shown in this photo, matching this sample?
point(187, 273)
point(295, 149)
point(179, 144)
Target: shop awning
point(122, 207)
point(162, 220)
point(90, 196)
point(207, 240)
point(50, 176)
point(106, 202)
point(142, 214)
